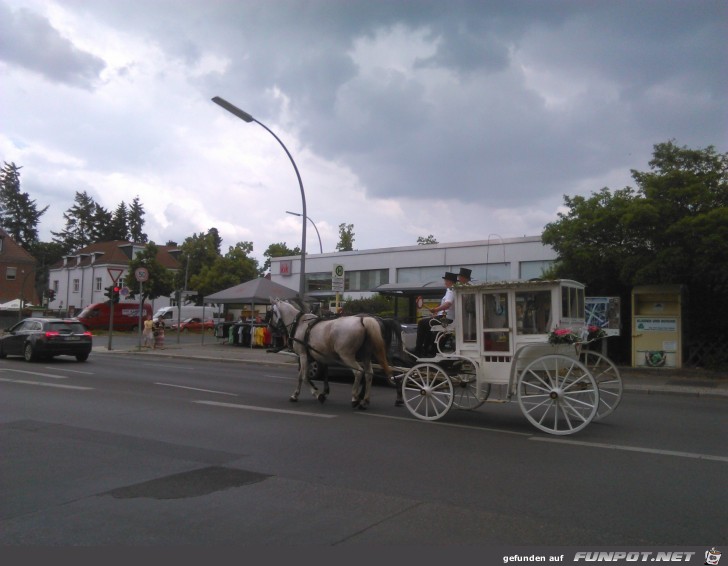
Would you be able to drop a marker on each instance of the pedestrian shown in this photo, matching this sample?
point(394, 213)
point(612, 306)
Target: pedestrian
point(159, 334)
point(425, 339)
point(148, 333)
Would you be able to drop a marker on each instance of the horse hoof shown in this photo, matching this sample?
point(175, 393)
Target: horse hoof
point(293, 399)
point(354, 404)
point(398, 403)
point(362, 407)
point(321, 398)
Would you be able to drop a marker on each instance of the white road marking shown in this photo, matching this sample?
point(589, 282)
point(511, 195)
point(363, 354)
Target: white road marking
point(643, 450)
point(281, 377)
point(36, 373)
point(440, 423)
point(264, 409)
point(196, 389)
point(71, 370)
point(673, 453)
point(41, 384)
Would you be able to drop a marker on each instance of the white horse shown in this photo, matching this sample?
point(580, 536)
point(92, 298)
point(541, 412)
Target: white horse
point(353, 340)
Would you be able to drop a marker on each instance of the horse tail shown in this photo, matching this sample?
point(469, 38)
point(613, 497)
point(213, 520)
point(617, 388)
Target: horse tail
point(379, 348)
point(392, 331)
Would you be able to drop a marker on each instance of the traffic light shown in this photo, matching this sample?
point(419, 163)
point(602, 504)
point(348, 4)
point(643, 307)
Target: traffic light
point(112, 293)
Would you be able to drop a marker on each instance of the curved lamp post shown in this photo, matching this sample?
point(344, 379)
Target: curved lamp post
point(321, 248)
point(248, 118)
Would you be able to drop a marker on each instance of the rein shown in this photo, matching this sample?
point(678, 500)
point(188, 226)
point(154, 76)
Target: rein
point(293, 327)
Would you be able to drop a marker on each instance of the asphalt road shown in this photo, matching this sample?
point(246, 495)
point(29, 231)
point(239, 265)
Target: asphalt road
point(138, 451)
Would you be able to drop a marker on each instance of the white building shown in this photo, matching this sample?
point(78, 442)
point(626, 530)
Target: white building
point(81, 278)
point(490, 260)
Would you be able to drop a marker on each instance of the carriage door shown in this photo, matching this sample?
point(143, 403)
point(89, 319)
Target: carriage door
point(467, 332)
point(496, 324)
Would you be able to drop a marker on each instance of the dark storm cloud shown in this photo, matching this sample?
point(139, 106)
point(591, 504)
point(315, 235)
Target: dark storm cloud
point(29, 41)
point(483, 105)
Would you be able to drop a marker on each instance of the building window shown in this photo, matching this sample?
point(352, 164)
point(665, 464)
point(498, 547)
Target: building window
point(534, 269)
point(366, 280)
point(11, 273)
point(319, 282)
point(420, 274)
point(55, 285)
point(76, 285)
point(98, 283)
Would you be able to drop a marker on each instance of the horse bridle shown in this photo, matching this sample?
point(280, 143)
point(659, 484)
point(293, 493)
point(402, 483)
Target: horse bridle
point(293, 327)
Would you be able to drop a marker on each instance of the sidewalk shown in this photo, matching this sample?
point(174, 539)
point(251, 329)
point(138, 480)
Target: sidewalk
point(685, 381)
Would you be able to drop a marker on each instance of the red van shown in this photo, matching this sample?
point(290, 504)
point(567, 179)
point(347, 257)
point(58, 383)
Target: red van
point(126, 316)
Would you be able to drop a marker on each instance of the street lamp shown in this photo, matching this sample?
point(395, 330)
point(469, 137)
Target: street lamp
point(248, 118)
point(321, 248)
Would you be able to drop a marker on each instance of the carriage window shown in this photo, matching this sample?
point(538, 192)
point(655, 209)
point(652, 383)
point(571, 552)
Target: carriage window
point(496, 337)
point(533, 312)
point(572, 303)
point(467, 325)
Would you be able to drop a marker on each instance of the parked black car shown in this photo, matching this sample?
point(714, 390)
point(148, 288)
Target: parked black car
point(43, 338)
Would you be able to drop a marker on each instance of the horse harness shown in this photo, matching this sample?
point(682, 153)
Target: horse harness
point(305, 342)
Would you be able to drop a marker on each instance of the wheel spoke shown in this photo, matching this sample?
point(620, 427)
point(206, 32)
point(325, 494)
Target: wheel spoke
point(608, 381)
point(427, 391)
point(557, 394)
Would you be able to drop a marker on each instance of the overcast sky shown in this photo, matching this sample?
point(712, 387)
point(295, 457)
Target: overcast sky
point(466, 120)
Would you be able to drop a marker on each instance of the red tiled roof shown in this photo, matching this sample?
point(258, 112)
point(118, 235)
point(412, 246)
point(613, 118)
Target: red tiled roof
point(13, 252)
point(116, 252)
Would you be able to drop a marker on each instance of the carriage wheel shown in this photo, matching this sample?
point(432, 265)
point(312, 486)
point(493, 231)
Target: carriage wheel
point(608, 380)
point(427, 391)
point(557, 394)
point(466, 388)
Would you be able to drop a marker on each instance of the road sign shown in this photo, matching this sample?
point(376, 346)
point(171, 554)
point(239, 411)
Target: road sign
point(337, 278)
point(115, 273)
point(141, 274)
point(124, 291)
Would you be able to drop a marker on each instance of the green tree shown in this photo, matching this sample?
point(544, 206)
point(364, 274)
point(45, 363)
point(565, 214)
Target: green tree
point(102, 225)
point(346, 238)
point(135, 222)
point(161, 280)
point(45, 254)
point(19, 215)
point(198, 251)
point(119, 226)
point(423, 241)
point(279, 249)
point(80, 230)
point(377, 304)
point(235, 267)
point(673, 229)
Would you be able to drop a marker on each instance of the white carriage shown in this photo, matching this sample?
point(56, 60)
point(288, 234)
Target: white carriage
point(522, 340)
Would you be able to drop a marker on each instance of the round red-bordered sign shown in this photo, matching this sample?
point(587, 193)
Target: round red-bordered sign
point(141, 274)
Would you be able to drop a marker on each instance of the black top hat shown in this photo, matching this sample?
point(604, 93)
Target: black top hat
point(465, 272)
point(451, 277)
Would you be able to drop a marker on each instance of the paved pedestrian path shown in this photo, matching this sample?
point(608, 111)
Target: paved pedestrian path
point(686, 381)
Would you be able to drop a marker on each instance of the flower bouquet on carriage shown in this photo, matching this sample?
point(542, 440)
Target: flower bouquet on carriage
point(560, 336)
point(594, 333)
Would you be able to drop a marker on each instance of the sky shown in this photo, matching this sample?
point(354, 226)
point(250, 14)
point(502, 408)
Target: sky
point(460, 119)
